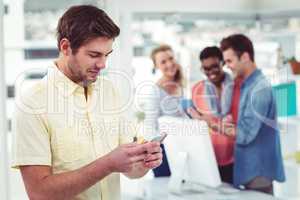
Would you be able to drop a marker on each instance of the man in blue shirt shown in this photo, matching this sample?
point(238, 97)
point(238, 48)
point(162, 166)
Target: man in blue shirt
point(258, 159)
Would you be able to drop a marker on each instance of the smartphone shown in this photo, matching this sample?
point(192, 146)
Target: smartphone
point(159, 138)
point(186, 104)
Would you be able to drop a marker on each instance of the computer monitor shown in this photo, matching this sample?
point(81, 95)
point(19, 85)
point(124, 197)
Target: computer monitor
point(189, 152)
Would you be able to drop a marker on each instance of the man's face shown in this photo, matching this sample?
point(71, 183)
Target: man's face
point(89, 60)
point(213, 69)
point(233, 62)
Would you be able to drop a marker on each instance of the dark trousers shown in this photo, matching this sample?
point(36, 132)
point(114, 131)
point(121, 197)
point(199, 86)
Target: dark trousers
point(163, 170)
point(226, 173)
point(255, 185)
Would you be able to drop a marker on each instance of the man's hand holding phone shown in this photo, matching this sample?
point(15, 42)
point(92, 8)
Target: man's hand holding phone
point(153, 157)
point(133, 156)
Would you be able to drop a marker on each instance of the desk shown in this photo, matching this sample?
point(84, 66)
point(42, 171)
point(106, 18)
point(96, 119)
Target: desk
point(156, 189)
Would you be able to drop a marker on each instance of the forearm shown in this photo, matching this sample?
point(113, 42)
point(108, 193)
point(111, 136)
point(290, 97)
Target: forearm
point(69, 184)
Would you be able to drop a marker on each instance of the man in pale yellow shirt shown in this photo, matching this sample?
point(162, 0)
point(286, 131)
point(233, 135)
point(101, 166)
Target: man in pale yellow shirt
point(70, 140)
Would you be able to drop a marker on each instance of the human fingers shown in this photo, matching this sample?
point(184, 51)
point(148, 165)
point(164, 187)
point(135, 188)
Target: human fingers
point(153, 164)
point(138, 158)
point(153, 157)
point(154, 148)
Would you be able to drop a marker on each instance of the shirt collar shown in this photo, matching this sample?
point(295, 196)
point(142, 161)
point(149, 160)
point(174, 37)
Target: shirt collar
point(65, 85)
point(251, 79)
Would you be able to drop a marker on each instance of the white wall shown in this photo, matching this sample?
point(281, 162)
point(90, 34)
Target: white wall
point(278, 5)
point(209, 6)
point(4, 188)
point(14, 24)
point(188, 5)
point(14, 39)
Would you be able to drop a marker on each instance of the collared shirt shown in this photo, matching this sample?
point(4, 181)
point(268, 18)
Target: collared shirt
point(56, 126)
point(219, 106)
point(257, 149)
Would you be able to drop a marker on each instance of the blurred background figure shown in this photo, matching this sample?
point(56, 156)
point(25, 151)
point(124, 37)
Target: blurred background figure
point(165, 96)
point(212, 98)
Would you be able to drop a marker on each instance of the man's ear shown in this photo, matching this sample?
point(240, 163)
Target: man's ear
point(65, 47)
point(245, 57)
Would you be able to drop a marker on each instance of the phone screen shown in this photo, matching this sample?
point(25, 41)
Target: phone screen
point(159, 138)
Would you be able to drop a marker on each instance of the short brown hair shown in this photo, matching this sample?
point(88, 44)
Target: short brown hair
point(239, 43)
point(178, 78)
point(80, 24)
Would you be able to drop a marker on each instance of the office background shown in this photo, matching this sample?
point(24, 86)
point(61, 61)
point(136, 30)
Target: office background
point(28, 46)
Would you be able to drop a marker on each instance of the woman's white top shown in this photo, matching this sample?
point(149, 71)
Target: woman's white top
point(159, 103)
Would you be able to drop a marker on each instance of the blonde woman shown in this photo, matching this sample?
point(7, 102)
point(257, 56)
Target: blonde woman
point(166, 96)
